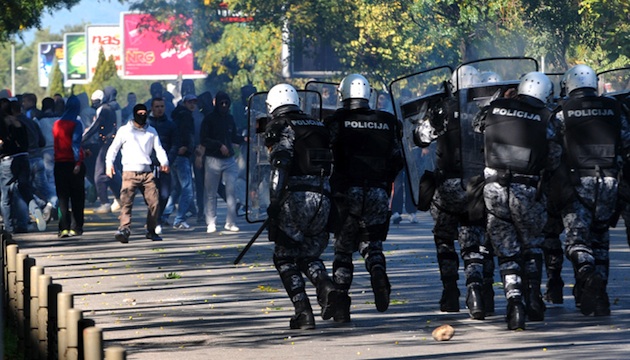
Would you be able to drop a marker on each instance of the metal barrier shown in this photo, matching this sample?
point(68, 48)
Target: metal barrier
point(47, 324)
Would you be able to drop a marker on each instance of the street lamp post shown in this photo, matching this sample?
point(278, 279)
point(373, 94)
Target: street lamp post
point(12, 70)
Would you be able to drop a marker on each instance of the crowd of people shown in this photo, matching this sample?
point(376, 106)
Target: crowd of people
point(89, 151)
point(495, 171)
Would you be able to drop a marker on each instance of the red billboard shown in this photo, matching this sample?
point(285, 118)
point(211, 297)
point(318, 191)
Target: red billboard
point(147, 57)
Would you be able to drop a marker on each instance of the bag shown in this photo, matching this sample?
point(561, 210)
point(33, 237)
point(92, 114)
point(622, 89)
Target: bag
point(476, 203)
point(428, 184)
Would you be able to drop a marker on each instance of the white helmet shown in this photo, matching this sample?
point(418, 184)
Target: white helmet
point(465, 77)
point(281, 95)
point(580, 76)
point(489, 77)
point(537, 85)
point(354, 86)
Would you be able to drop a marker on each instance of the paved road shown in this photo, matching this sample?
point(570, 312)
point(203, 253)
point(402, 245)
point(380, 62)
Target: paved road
point(183, 298)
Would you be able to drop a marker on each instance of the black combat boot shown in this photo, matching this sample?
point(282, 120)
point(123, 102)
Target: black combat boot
point(380, 287)
point(450, 297)
point(327, 295)
point(474, 301)
point(515, 315)
point(554, 290)
point(342, 310)
point(488, 296)
point(592, 288)
point(534, 304)
point(602, 304)
point(303, 318)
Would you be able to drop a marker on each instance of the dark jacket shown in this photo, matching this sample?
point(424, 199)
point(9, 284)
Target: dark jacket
point(183, 119)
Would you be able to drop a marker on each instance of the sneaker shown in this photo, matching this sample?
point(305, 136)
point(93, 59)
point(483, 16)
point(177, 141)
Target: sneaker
point(413, 219)
point(158, 229)
point(240, 210)
point(64, 234)
point(103, 209)
point(76, 232)
point(182, 226)
point(47, 212)
point(115, 207)
point(211, 228)
point(36, 212)
point(396, 218)
point(122, 236)
point(231, 227)
point(153, 236)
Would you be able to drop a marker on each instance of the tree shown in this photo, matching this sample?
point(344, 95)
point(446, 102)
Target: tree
point(55, 85)
point(104, 72)
point(20, 15)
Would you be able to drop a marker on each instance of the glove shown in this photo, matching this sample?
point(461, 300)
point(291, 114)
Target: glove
point(273, 210)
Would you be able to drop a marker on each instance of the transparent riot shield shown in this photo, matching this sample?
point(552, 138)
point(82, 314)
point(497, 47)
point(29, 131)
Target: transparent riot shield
point(258, 167)
point(556, 82)
point(615, 82)
point(474, 93)
point(412, 96)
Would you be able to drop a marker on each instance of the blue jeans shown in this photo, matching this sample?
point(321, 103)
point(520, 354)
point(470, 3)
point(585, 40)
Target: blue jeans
point(39, 178)
point(218, 170)
point(15, 194)
point(182, 180)
point(49, 168)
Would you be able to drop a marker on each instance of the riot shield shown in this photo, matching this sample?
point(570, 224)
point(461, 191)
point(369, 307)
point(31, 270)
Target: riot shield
point(615, 83)
point(258, 168)
point(556, 82)
point(412, 96)
point(474, 96)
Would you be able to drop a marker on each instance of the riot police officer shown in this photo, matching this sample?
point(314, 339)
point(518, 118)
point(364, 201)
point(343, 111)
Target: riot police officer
point(368, 155)
point(595, 137)
point(521, 141)
point(301, 161)
point(450, 204)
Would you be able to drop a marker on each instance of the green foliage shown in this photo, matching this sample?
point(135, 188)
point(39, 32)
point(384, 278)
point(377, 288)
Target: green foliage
point(105, 71)
point(55, 85)
point(20, 15)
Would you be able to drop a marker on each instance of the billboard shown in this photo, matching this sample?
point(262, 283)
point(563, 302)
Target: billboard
point(47, 53)
point(146, 57)
point(108, 38)
point(75, 55)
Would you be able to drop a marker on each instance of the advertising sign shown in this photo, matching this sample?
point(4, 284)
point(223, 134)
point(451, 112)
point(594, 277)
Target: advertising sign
point(147, 57)
point(48, 52)
point(108, 38)
point(75, 56)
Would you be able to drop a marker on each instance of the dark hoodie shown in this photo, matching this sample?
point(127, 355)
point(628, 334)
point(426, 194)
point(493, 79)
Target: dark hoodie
point(218, 128)
point(105, 124)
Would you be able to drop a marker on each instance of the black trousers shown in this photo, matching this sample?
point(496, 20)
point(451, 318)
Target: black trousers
point(70, 190)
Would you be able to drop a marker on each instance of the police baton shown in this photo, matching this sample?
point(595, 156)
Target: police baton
point(251, 242)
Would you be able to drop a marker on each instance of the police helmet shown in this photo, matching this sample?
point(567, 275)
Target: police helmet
point(489, 77)
point(465, 77)
point(578, 77)
point(537, 85)
point(354, 86)
point(281, 95)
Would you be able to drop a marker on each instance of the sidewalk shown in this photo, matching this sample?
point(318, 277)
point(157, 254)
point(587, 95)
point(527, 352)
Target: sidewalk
point(183, 298)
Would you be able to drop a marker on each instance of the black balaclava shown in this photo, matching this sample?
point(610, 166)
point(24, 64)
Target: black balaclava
point(140, 119)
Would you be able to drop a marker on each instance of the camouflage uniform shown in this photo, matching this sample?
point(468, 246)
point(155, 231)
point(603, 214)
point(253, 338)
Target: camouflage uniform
point(299, 225)
point(587, 214)
point(449, 209)
point(512, 194)
point(368, 156)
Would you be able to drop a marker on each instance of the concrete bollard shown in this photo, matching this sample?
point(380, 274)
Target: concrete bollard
point(72, 326)
point(42, 315)
point(65, 302)
point(24, 264)
point(12, 251)
point(33, 343)
point(115, 353)
point(53, 291)
point(93, 343)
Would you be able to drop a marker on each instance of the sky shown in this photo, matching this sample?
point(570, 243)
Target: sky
point(95, 12)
